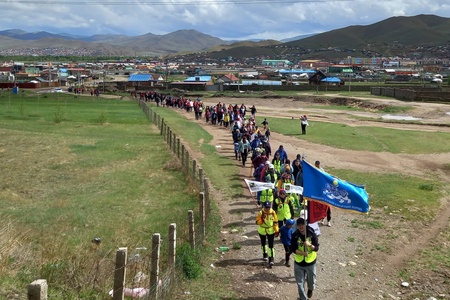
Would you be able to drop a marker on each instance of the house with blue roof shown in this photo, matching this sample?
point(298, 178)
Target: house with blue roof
point(141, 80)
point(199, 78)
point(198, 83)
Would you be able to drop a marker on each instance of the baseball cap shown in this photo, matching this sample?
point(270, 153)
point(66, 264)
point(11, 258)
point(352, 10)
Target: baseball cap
point(290, 222)
point(267, 204)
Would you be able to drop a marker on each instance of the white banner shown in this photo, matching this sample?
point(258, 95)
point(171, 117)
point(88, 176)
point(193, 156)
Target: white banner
point(293, 189)
point(257, 186)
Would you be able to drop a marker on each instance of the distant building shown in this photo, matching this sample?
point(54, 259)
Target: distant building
point(283, 63)
point(229, 78)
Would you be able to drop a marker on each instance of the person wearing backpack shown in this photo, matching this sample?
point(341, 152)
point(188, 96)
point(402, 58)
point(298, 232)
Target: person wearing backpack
point(267, 222)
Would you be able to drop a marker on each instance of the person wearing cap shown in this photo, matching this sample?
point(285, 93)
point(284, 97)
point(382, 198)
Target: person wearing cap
point(304, 123)
point(283, 207)
point(269, 174)
point(286, 177)
point(304, 246)
point(267, 229)
point(286, 236)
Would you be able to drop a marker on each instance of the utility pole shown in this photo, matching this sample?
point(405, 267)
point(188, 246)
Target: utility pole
point(167, 74)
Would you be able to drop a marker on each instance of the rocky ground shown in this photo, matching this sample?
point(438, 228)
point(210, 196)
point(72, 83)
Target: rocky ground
point(351, 263)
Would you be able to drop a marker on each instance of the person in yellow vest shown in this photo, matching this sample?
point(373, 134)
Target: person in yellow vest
point(294, 198)
point(285, 178)
point(304, 246)
point(283, 207)
point(276, 161)
point(266, 195)
point(267, 229)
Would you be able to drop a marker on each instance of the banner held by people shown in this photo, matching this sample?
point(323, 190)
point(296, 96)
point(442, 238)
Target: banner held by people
point(257, 186)
point(293, 189)
point(321, 186)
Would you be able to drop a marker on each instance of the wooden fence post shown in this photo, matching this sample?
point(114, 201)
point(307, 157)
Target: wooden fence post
point(154, 272)
point(194, 169)
point(182, 157)
point(191, 229)
point(187, 163)
point(174, 139)
point(201, 180)
point(202, 215)
point(178, 147)
point(169, 138)
point(172, 245)
point(161, 126)
point(120, 273)
point(207, 199)
point(37, 290)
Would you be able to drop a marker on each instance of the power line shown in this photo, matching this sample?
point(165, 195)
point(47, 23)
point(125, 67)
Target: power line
point(165, 3)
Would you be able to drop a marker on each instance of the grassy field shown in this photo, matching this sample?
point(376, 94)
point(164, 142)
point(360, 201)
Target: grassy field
point(365, 138)
point(76, 169)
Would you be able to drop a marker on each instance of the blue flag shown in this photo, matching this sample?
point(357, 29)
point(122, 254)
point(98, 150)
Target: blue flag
point(321, 186)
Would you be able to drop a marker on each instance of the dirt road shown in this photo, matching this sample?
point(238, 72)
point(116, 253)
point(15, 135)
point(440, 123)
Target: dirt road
point(349, 266)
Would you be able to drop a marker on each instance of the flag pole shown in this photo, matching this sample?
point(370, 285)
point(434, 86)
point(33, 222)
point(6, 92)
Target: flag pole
point(305, 223)
point(251, 195)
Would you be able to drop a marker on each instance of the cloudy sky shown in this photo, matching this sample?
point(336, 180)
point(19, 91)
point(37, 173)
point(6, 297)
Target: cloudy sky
point(226, 19)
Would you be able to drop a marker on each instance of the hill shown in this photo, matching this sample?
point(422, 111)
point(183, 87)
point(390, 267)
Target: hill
point(419, 36)
point(148, 44)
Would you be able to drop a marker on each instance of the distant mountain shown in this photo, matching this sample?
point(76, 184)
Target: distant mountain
point(31, 36)
point(298, 37)
point(244, 44)
point(389, 37)
point(147, 44)
point(418, 36)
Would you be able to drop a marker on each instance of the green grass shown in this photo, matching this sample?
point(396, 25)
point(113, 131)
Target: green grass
point(364, 138)
point(64, 183)
point(220, 170)
point(399, 194)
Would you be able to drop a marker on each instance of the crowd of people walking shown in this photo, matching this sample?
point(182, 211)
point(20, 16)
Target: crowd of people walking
point(281, 213)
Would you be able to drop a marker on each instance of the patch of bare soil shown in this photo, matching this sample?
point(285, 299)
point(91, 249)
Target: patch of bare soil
point(355, 261)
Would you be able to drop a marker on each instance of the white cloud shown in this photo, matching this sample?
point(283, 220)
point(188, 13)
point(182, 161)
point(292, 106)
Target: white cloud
point(227, 20)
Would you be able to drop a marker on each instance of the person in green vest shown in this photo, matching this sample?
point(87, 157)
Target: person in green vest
point(304, 246)
point(267, 229)
point(283, 207)
point(276, 162)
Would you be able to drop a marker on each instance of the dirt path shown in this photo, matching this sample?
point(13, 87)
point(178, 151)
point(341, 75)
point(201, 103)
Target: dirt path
point(348, 266)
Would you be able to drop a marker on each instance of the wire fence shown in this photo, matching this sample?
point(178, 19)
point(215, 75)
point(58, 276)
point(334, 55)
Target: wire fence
point(150, 273)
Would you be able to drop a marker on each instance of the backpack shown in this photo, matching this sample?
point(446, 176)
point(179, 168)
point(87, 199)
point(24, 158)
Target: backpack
point(257, 172)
